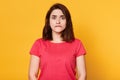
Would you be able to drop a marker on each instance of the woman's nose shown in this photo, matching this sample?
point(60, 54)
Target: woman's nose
point(58, 21)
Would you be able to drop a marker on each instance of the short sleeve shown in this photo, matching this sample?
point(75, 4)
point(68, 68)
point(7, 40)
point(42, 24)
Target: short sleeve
point(80, 49)
point(35, 48)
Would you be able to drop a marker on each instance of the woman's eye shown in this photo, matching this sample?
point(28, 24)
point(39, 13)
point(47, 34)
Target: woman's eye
point(63, 17)
point(53, 17)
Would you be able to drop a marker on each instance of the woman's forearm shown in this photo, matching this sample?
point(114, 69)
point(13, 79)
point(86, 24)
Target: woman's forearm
point(34, 67)
point(82, 77)
point(32, 78)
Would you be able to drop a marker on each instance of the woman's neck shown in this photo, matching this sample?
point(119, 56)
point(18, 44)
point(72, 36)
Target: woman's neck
point(56, 37)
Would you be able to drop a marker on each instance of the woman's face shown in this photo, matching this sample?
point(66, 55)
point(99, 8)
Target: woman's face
point(57, 21)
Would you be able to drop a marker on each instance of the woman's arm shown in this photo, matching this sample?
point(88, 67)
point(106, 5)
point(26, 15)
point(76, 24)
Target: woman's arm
point(33, 67)
point(81, 68)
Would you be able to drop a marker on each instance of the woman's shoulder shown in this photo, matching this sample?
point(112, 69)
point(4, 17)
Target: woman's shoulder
point(77, 40)
point(39, 40)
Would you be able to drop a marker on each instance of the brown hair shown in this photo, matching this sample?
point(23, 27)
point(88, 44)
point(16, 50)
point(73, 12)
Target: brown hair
point(67, 33)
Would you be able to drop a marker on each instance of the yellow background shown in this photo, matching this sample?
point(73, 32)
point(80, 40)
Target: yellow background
point(96, 23)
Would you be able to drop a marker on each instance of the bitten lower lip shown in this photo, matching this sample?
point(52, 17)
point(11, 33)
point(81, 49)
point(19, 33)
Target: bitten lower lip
point(58, 26)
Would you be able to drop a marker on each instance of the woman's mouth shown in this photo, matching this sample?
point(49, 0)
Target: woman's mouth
point(58, 26)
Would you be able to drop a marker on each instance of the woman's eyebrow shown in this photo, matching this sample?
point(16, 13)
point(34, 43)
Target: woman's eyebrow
point(53, 15)
point(62, 15)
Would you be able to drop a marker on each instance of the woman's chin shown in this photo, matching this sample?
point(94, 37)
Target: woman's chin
point(57, 31)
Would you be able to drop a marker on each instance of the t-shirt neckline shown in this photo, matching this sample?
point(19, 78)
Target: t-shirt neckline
point(56, 42)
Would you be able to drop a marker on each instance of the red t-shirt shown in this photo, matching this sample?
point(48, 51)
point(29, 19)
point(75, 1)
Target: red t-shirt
point(57, 60)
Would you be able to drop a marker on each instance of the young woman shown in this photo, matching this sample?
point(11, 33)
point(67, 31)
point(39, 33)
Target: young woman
point(57, 54)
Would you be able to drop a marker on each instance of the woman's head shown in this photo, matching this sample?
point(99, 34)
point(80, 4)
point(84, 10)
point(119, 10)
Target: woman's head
point(58, 16)
point(57, 21)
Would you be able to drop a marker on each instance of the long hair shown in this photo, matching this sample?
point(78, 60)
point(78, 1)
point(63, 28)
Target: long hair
point(67, 33)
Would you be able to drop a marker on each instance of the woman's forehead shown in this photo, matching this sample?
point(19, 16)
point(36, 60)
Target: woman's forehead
point(57, 12)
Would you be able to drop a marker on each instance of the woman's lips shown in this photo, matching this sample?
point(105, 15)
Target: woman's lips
point(58, 26)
